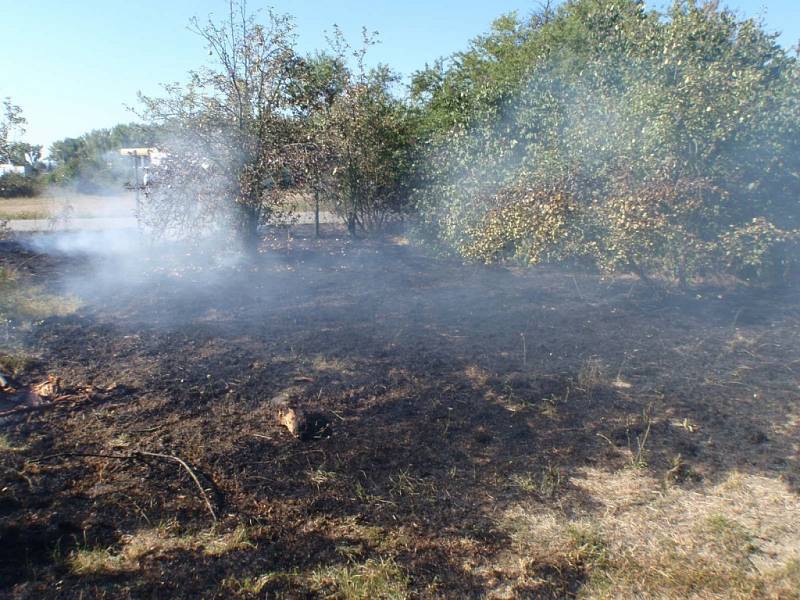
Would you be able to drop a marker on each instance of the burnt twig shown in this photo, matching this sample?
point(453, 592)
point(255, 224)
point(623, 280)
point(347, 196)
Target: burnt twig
point(141, 455)
point(188, 469)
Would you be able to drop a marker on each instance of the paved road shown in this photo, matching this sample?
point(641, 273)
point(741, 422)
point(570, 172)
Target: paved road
point(112, 223)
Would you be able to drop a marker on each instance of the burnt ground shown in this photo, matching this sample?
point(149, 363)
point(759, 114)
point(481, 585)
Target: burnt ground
point(445, 386)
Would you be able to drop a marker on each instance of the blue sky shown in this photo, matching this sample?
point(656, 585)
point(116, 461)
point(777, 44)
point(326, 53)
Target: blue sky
point(73, 65)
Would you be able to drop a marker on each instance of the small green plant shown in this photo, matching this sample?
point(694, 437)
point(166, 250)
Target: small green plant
point(638, 461)
point(373, 579)
point(546, 485)
point(589, 548)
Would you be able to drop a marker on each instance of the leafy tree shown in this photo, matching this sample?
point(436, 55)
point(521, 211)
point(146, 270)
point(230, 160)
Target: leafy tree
point(12, 125)
point(621, 137)
point(233, 142)
point(11, 122)
point(365, 135)
point(24, 154)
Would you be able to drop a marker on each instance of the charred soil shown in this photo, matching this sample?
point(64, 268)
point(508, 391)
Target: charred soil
point(443, 398)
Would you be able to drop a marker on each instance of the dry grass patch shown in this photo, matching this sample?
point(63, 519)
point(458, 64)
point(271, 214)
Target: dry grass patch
point(737, 539)
point(547, 484)
point(156, 542)
point(53, 202)
point(332, 365)
point(372, 579)
point(375, 578)
point(251, 586)
point(6, 445)
point(20, 300)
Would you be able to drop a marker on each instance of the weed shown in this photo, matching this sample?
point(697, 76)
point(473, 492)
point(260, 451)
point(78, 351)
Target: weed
point(680, 471)
point(375, 578)
point(546, 485)
point(592, 376)
point(637, 445)
point(638, 460)
point(14, 364)
point(589, 548)
point(550, 482)
point(320, 477)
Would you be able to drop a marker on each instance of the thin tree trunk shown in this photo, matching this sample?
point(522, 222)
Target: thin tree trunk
point(249, 231)
point(316, 213)
point(641, 273)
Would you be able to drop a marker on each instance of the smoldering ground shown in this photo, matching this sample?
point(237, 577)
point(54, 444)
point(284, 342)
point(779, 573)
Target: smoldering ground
point(486, 423)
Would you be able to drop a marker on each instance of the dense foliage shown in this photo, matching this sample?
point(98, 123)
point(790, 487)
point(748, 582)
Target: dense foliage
point(15, 152)
point(598, 133)
point(608, 134)
point(364, 139)
point(14, 185)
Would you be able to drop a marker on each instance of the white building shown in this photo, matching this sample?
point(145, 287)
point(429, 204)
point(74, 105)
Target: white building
point(9, 168)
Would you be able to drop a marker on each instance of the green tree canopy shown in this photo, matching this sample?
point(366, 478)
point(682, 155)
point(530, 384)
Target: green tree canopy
point(622, 137)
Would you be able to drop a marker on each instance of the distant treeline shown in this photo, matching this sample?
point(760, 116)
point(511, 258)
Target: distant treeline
point(92, 161)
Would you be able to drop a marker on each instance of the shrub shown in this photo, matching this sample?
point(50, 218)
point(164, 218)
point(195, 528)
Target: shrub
point(14, 185)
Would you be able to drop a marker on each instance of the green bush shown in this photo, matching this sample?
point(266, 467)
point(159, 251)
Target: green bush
point(13, 185)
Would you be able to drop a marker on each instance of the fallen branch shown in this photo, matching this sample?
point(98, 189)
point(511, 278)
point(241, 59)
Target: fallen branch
point(188, 469)
point(141, 454)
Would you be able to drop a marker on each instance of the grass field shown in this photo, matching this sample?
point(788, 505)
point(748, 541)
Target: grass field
point(53, 202)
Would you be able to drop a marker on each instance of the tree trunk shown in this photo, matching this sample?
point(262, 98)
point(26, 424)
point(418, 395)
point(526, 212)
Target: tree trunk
point(316, 213)
point(683, 284)
point(641, 273)
point(249, 231)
